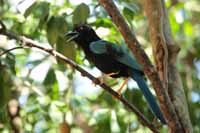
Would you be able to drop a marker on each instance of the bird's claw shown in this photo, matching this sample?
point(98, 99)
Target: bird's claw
point(116, 97)
point(100, 79)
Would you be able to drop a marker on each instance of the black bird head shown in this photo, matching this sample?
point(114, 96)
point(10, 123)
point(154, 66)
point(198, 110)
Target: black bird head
point(83, 35)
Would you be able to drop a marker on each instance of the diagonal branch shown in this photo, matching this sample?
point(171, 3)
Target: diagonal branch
point(7, 51)
point(30, 43)
point(130, 39)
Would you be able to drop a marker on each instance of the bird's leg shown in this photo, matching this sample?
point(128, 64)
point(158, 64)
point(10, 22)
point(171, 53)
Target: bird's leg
point(121, 87)
point(123, 84)
point(101, 78)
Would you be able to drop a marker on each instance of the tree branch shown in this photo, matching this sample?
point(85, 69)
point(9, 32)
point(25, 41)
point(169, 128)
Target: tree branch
point(130, 39)
point(30, 43)
point(7, 51)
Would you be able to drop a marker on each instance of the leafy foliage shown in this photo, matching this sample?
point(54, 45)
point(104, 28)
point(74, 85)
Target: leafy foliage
point(48, 90)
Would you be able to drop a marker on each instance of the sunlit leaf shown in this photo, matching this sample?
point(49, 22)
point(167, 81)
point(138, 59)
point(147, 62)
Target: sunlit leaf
point(56, 27)
point(67, 49)
point(81, 14)
point(129, 14)
point(30, 9)
point(188, 29)
point(174, 25)
point(103, 22)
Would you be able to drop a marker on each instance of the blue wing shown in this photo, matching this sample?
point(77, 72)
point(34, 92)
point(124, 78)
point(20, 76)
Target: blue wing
point(119, 53)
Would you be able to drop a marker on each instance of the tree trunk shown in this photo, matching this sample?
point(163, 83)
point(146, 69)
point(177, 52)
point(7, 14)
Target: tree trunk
point(165, 52)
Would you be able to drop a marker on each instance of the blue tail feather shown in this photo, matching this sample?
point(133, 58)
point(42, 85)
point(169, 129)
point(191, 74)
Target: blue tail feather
point(148, 95)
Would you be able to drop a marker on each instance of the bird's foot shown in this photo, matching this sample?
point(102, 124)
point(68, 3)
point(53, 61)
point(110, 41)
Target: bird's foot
point(101, 78)
point(121, 87)
point(110, 74)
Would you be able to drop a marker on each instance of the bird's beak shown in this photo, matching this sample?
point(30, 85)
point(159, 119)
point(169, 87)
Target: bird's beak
point(71, 35)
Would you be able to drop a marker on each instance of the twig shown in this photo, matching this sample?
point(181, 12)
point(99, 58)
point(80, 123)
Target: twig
point(142, 58)
point(30, 43)
point(6, 51)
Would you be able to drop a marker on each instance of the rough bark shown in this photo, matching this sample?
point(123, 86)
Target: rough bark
point(165, 51)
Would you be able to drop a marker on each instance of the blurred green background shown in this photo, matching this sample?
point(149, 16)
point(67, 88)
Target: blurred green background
point(37, 91)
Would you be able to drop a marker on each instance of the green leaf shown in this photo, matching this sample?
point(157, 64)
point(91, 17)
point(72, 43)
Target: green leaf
point(52, 30)
point(129, 11)
point(7, 68)
point(10, 62)
point(188, 28)
point(105, 22)
point(50, 77)
point(4, 115)
point(129, 14)
point(197, 47)
point(81, 14)
point(122, 121)
point(39, 10)
point(55, 91)
point(44, 8)
point(56, 27)
point(51, 84)
point(4, 86)
point(131, 6)
point(101, 121)
point(30, 9)
point(67, 50)
point(62, 25)
point(175, 27)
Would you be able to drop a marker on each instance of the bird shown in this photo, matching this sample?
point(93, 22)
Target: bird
point(113, 60)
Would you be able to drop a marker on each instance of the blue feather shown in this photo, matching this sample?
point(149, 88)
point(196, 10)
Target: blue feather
point(121, 53)
point(148, 95)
